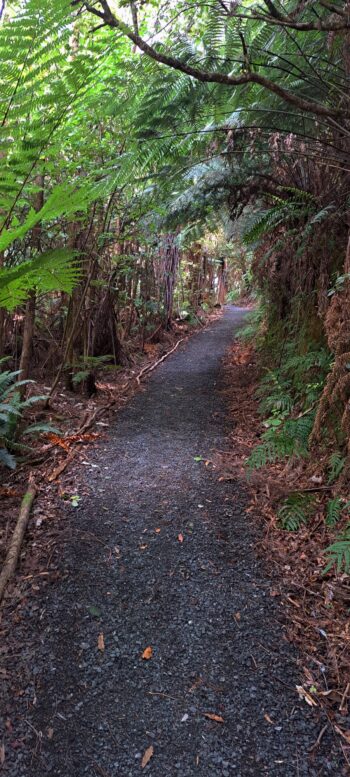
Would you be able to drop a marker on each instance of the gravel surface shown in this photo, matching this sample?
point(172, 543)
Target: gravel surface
point(203, 604)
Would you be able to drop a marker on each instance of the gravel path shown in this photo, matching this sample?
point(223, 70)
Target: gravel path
point(203, 605)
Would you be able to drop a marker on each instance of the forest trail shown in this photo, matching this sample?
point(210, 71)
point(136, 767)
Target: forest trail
point(203, 604)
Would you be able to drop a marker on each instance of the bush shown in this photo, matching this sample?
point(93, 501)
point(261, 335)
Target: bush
point(12, 408)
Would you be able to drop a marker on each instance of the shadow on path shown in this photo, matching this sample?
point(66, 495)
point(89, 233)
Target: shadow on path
point(202, 604)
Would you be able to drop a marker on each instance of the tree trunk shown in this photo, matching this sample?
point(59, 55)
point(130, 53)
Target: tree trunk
point(2, 317)
point(29, 318)
point(27, 343)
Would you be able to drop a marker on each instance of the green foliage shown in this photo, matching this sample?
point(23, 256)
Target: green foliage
point(40, 85)
point(288, 393)
point(250, 331)
point(12, 408)
point(283, 439)
point(284, 212)
point(338, 554)
point(336, 465)
point(333, 511)
point(88, 364)
point(276, 395)
point(53, 270)
point(296, 511)
point(300, 208)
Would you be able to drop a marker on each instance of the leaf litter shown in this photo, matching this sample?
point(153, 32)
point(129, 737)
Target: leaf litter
point(316, 605)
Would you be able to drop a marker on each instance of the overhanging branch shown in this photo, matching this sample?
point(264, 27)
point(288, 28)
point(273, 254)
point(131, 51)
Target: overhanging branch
point(309, 106)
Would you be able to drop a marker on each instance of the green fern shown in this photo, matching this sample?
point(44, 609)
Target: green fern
point(51, 271)
point(284, 212)
point(333, 511)
point(290, 438)
point(296, 511)
point(12, 408)
point(336, 463)
point(338, 554)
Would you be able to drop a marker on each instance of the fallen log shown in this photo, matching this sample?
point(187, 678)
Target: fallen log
point(151, 367)
point(13, 552)
point(62, 466)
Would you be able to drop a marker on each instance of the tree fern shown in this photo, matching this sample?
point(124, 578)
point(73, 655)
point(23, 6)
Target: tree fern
point(50, 271)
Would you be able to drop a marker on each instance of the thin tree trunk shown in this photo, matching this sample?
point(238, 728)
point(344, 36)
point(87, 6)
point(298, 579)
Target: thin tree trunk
point(29, 318)
point(2, 317)
point(27, 343)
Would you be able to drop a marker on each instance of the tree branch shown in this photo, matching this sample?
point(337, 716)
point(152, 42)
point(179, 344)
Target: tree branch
point(273, 11)
point(333, 9)
point(283, 21)
point(223, 6)
point(309, 106)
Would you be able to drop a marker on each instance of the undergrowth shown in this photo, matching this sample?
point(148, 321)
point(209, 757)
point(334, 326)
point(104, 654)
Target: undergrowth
point(12, 426)
point(294, 372)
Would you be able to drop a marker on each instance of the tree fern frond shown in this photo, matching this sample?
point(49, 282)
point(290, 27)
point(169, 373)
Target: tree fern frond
point(51, 271)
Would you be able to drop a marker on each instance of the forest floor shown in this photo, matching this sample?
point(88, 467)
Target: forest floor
point(160, 646)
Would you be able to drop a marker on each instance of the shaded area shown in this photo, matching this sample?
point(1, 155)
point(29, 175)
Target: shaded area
point(202, 604)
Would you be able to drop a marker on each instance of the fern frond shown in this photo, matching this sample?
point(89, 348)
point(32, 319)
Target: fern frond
point(338, 554)
point(336, 463)
point(295, 511)
point(334, 510)
point(51, 271)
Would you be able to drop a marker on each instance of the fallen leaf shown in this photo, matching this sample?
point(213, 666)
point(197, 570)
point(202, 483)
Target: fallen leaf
point(303, 694)
point(147, 653)
point(211, 716)
point(157, 531)
point(2, 754)
point(56, 440)
point(50, 732)
point(101, 642)
point(267, 717)
point(180, 537)
point(147, 756)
